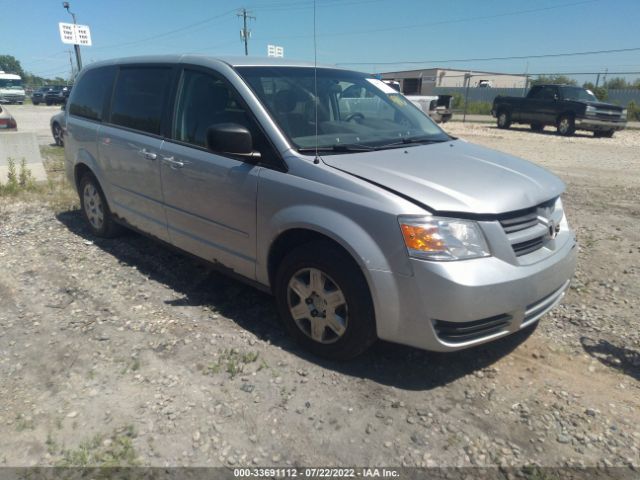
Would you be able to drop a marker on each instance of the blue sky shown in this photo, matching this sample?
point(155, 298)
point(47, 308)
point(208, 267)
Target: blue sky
point(372, 31)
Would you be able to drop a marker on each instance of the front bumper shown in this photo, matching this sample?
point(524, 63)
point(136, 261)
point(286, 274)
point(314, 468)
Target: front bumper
point(596, 124)
point(11, 98)
point(448, 306)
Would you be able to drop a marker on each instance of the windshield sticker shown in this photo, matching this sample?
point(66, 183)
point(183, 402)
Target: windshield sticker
point(380, 85)
point(398, 99)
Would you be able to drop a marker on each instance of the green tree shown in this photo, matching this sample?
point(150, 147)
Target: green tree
point(600, 92)
point(636, 84)
point(616, 83)
point(10, 64)
point(547, 79)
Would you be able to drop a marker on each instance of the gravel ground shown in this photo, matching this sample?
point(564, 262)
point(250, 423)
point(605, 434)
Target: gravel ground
point(122, 351)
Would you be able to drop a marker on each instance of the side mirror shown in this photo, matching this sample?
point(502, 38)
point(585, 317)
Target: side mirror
point(230, 138)
point(555, 97)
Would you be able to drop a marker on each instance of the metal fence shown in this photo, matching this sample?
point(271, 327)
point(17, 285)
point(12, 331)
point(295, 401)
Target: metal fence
point(619, 97)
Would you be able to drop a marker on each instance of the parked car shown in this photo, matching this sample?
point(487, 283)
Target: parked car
point(7, 122)
point(55, 95)
point(49, 94)
point(566, 107)
point(438, 107)
point(363, 224)
point(11, 89)
point(58, 126)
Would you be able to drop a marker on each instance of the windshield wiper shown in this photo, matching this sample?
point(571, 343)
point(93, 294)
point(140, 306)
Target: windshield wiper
point(339, 147)
point(412, 140)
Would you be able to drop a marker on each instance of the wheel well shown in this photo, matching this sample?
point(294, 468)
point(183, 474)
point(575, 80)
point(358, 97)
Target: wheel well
point(291, 239)
point(566, 114)
point(80, 171)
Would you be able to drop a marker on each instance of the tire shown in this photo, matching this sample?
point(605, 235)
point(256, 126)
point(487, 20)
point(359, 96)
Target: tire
point(566, 125)
point(56, 131)
point(36, 103)
point(504, 119)
point(603, 133)
point(95, 209)
point(308, 280)
point(49, 103)
point(537, 127)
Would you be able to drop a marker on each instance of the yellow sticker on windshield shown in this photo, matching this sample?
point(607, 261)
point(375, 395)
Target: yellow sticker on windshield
point(398, 100)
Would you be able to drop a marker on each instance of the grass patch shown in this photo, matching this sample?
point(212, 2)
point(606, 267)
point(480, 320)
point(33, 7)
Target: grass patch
point(231, 361)
point(116, 450)
point(24, 423)
point(19, 184)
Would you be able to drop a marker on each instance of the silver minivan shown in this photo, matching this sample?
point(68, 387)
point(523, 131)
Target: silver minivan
point(327, 188)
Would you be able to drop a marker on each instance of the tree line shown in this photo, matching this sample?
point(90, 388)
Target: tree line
point(10, 64)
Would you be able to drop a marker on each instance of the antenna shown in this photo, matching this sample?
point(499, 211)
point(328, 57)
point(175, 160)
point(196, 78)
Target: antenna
point(316, 160)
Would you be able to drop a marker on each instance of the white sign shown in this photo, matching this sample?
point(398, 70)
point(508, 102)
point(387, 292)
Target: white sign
point(275, 51)
point(75, 34)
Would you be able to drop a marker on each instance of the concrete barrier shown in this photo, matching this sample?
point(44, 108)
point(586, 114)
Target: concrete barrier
point(19, 145)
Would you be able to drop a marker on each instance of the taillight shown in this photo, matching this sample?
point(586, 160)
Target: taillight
point(8, 123)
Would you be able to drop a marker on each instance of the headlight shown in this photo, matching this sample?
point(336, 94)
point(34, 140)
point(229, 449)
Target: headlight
point(591, 109)
point(436, 238)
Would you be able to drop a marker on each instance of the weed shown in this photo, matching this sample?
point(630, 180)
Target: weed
point(24, 423)
point(52, 447)
point(232, 361)
point(113, 451)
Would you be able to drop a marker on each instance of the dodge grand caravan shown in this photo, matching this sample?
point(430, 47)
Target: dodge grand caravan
point(327, 188)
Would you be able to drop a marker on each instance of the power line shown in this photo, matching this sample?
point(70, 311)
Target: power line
point(487, 59)
point(444, 22)
point(167, 33)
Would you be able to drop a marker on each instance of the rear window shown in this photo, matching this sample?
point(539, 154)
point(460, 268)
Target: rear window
point(89, 96)
point(139, 98)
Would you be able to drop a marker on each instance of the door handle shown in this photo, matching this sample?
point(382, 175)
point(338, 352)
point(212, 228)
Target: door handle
point(173, 163)
point(148, 155)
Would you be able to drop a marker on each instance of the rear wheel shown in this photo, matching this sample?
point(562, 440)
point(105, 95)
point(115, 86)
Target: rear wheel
point(566, 125)
point(324, 301)
point(537, 127)
point(95, 208)
point(504, 119)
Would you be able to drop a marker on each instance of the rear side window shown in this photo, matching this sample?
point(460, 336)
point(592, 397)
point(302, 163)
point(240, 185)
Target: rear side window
point(139, 98)
point(91, 92)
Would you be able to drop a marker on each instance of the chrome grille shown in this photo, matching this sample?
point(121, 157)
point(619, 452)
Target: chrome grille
point(528, 230)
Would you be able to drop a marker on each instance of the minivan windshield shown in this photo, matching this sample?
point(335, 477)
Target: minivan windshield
point(355, 112)
point(10, 84)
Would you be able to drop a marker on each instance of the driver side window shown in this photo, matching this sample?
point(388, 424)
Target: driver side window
point(203, 101)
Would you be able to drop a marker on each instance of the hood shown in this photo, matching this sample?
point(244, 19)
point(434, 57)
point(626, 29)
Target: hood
point(454, 176)
point(605, 106)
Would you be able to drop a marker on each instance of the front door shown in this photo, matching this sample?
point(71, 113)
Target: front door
point(210, 199)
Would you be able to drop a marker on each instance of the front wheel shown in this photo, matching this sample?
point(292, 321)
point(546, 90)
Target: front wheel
point(95, 208)
point(57, 134)
point(324, 301)
point(566, 126)
point(504, 119)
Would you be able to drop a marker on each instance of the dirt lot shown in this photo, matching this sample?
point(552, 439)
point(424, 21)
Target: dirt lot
point(124, 352)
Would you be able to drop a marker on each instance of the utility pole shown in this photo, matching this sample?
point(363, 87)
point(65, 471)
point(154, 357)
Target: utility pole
point(75, 46)
point(73, 73)
point(245, 33)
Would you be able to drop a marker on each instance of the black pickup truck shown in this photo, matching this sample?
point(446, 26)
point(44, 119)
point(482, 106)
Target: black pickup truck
point(566, 107)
